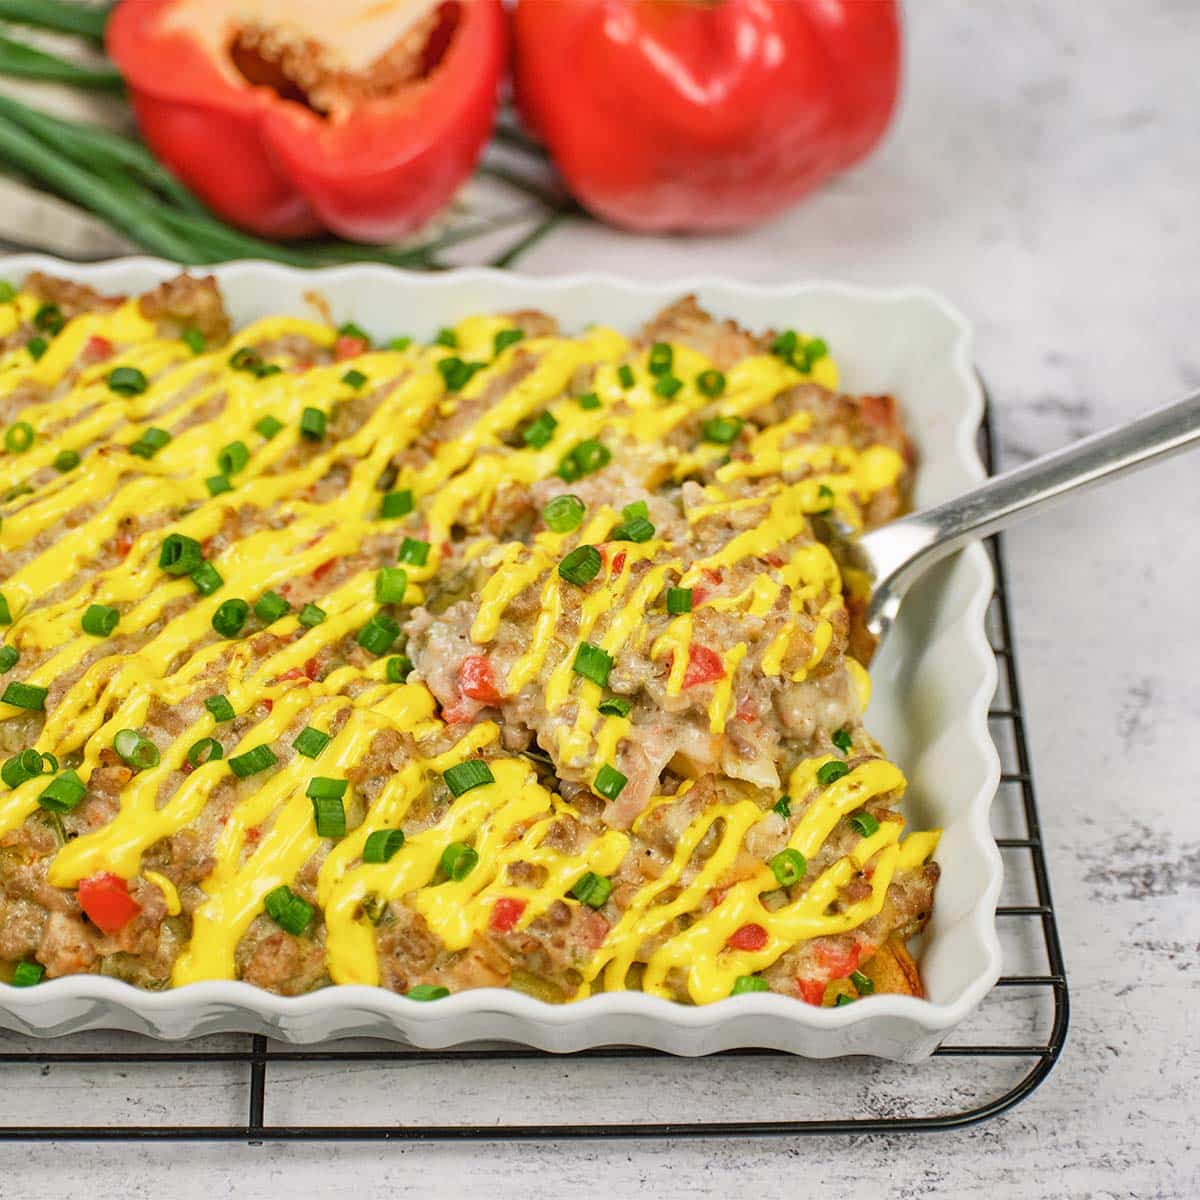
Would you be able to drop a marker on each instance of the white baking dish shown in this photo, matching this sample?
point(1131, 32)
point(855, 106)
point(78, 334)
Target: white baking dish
point(933, 683)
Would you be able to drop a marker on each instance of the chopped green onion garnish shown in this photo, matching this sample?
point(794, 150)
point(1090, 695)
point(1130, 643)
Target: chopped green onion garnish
point(329, 815)
point(446, 337)
point(459, 860)
point(64, 793)
point(354, 379)
point(252, 762)
point(609, 782)
point(581, 566)
point(21, 767)
point(783, 806)
point(564, 513)
point(100, 620)
point(414, 552)
point(785, 344)
point(49, 318)
point(8, 293)
point(679, 600)
point(50, 761)
point(464, 776)
point(378, 634)
point(179, 555)
point(710, 383)
point(268, 427)
point(843, 1000)
point(842, 740)
point(614, 706)
point(206, 579)
point(245, 359)
point(26, 974)
point(667, 385)
point(311, 615)
point(590, 455)
point(205, 750)
point(864, 824)
point(220, 708)
point(310, 742)
point(230, 617)
point(637, 530)
point(399, 343)
point(194, 340)
point(37, 346)
point(660, 359)
point(593, 890)
point(722, 430)
point(749, 983)
point(396, 504)
point(382, 845)
point(264, 369)
point(589, 401)
point(5, 613)
point(286, 909)
point(127, 381)
point(825, 492)
point(427, 991)
point(540, 431)
point(863, 984)
point(829, 772)
point(65, 460)
point(399, 667)
point(25, 695)
point(592, 663)
point(321, 787)
point(625, 375)
point(789, 867)
point(233, 458)
point(270, 606)
point(814, 350)
point(9, 657)
point(456, 374)
point(639, 508)
point(218, 485)
point(18, 437)
point(150, 443)
point(350, 330)
point(135, 751)
point(504, 339)
point(390, 585)
point(312, 424)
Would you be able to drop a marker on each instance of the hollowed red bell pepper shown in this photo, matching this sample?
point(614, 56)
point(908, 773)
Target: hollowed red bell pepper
point(289, 117)
point(704, 114)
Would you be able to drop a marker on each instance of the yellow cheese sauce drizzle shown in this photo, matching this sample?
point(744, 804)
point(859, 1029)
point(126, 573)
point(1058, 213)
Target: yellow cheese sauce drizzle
point(53, 525)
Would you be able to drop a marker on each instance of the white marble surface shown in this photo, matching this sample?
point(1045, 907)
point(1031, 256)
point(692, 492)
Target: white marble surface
point(1044, 174)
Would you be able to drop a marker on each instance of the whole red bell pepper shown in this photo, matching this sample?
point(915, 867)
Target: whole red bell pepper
point(286, 134)
point(704, 114)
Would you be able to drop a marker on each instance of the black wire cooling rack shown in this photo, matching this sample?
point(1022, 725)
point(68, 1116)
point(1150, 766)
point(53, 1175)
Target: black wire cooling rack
point(247, 1089)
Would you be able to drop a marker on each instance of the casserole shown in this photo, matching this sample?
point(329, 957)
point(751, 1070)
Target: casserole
point(578, 303)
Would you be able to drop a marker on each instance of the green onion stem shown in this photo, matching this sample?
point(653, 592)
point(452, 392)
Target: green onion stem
point(84, 20)
point(25, 62)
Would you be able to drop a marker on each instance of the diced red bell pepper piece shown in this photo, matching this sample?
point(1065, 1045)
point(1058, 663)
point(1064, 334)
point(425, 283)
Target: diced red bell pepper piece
point(704, 666)
point(106, 900)
point(838, 960)
point(97, 349)
point(349, 347)
point(477, 680)
point(812, 991)
point(748, 937)
point(618, 563)
point(506, 912)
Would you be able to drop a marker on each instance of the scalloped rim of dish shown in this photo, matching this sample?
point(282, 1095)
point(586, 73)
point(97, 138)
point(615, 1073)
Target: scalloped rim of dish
point(898, 1027)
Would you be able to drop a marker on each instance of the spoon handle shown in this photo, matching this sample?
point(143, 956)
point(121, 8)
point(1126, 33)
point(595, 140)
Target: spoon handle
point(930, 534)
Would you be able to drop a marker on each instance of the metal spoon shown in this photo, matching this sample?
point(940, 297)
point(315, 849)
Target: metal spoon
point(896, 554)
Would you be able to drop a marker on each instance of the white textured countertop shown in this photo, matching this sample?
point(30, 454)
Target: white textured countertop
point(1044, 175)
